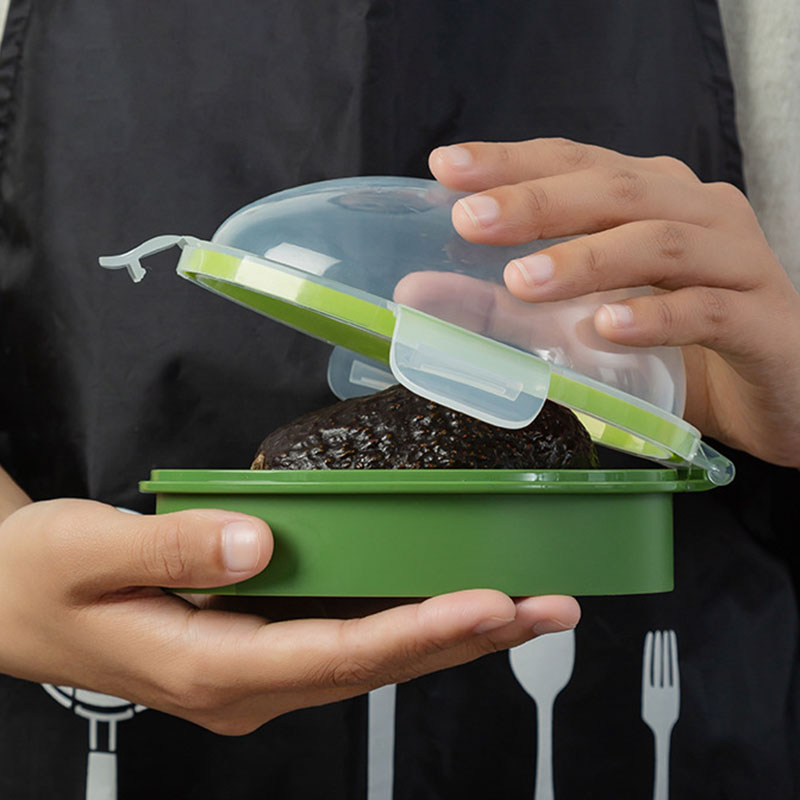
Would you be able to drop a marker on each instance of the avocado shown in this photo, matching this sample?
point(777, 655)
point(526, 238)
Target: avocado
point(397, 429)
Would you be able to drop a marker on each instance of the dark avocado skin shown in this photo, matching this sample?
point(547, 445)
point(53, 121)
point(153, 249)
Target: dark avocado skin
point(397, 429)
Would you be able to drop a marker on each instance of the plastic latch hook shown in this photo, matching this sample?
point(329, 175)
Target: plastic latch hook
point(466, 371)
point(132, 260)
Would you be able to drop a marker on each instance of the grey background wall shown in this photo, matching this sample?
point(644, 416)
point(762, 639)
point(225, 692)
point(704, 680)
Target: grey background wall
point(764, 50)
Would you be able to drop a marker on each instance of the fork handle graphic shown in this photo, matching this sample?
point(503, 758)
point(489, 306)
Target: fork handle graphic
point(544, 752)
point(101, 776)
point(380, 742)
point(661, 779)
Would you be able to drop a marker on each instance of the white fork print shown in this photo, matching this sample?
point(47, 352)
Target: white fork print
point(661, 700)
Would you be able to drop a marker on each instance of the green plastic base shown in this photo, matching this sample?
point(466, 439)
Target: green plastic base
point(411, 533)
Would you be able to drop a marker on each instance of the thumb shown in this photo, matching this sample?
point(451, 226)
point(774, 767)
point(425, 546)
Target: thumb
point(200, 548)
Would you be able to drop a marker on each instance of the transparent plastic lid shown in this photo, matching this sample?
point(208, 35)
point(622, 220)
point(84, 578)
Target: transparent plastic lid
point(375, 267)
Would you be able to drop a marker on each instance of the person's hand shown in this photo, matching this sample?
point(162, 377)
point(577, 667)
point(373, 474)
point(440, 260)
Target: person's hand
point(723, 295)
point(79, 606)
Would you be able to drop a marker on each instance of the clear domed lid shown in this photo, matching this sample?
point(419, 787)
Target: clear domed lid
point(375, 267)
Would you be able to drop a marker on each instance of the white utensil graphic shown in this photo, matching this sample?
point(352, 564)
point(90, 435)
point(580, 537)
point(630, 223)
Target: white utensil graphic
point(101, 769)
point(543, 667)
point(380, 742)
point(661, 700)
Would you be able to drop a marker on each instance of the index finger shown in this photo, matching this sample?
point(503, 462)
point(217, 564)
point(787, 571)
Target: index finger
point(476, 166)
point(233, 672)
point(286, 665)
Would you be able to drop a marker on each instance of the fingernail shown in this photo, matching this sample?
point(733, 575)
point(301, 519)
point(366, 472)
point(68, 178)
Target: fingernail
point(492, 624)
point(455, 156)
point(536, 269)
point(241, 546)
point(618, 315)
point(550, 626)
point(481, 210)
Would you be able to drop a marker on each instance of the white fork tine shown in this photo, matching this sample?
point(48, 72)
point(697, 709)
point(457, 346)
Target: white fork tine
point(647, 661)
point(676, 675)
point(667, 658)
point(658, 658)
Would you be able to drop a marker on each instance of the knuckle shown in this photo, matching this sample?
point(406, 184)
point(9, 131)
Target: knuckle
point(167, 551)
point(509, 160)
point(353, 667)
point(594, 263)
point(536, 199)
point(573, 154)
point(415, 658)
point(703, 314)
point(351, 671)
point(627, 186)
point(670, 241)
point(504, 154)
point(487, 644)
point(714, 308)
point(730, 195)
point(349, 665)
point(665, 314)
point(727, 191)
point(670, 165)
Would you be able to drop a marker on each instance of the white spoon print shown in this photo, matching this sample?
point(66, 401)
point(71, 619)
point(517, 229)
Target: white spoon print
point(543, 667)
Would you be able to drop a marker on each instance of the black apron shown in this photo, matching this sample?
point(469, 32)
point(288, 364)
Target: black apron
point(122, 119)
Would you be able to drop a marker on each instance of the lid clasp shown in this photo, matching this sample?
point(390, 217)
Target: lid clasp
point(132, 260)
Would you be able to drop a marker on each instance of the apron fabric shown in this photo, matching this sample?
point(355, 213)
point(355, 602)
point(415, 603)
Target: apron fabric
point(121, 120)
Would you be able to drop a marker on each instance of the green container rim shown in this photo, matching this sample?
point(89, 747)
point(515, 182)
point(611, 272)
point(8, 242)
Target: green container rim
point(435, 481)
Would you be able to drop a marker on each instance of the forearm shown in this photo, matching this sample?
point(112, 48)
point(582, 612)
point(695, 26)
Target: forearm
point(11, 496)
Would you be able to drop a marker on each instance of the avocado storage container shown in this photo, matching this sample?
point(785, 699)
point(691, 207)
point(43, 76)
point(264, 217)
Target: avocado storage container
point(374, 267)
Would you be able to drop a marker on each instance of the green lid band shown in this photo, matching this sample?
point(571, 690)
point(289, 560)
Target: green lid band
point(627, 423)
point(606, 434)
point(360, 324)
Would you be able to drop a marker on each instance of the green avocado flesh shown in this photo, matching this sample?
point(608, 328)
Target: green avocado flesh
point(397, 429)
